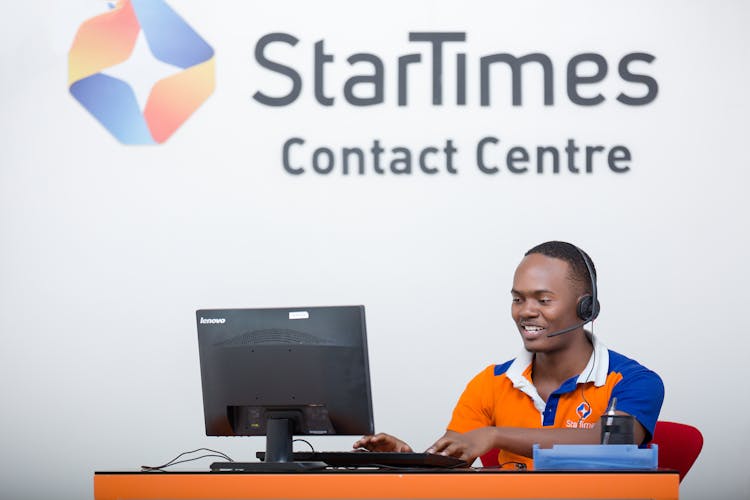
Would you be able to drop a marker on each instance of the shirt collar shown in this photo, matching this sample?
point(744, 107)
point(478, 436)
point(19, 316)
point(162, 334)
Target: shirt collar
point(595, 371)
point(598, 366)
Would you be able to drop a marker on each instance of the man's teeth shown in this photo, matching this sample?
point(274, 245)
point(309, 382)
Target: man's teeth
point(530, 328)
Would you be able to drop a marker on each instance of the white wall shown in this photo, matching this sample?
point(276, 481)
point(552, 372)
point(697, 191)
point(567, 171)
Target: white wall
point(107, 250)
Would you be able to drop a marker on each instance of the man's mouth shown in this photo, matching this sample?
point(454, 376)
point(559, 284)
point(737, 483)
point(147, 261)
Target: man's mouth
point(533, 329)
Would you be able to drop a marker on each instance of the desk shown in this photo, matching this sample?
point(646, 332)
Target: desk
point(662, 485)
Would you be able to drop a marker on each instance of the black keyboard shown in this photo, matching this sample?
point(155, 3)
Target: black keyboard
point(379, 459)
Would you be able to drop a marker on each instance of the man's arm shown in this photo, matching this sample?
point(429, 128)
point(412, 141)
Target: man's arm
point(519, 440)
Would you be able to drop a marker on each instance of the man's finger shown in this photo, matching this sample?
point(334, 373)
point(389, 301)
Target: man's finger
point(439, 446)
point(404, 448)
point(451, 449)
point(361, 442)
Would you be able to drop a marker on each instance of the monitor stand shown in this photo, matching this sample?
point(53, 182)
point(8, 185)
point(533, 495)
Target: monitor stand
point(279, 432)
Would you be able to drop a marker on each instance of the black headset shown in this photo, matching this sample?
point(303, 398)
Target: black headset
point(588, 306)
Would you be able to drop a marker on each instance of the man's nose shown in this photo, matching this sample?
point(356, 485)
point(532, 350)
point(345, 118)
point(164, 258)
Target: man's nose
point(529, 309)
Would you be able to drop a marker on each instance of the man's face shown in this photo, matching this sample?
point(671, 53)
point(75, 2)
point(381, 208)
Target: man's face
point(544, 301)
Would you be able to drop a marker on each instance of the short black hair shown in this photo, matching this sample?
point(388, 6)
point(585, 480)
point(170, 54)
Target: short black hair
point(571, 254)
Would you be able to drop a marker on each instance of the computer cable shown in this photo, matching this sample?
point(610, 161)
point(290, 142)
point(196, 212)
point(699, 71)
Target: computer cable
point(175, 460)
point(593, 364)
point(312, 448)
point(516, 465)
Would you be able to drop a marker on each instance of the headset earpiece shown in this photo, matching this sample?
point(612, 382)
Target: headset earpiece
point(588, 306)
point(585, 308)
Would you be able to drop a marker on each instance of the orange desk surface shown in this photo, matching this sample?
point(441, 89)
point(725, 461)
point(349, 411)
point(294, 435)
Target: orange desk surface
point(662, 485)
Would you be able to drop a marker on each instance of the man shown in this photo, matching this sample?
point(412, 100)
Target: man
point(556, 391)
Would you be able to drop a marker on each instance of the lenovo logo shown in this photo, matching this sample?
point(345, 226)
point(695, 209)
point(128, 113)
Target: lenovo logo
point(212, 321)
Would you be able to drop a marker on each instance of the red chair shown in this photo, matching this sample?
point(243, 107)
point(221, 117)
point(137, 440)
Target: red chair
point(679, 445)
point(489, 459)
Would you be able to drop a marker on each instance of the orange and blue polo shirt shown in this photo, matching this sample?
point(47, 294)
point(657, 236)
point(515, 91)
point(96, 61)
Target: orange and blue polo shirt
point(504, 396)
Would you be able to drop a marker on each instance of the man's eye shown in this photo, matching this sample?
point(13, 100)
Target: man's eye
point(545, 301)
point(516, 300)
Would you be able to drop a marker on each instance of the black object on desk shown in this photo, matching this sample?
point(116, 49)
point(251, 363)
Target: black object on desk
point(393, 460)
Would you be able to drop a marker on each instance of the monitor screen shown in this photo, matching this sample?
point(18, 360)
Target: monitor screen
point(285, 371)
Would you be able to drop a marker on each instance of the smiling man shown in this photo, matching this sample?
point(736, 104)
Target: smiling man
point(558, 388)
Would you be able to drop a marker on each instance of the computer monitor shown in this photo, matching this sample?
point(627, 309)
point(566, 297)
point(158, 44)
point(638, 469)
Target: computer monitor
point(282, 372)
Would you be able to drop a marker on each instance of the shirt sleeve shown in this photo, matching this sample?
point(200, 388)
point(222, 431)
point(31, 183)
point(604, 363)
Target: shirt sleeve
point(640, 393)
point(473, 409)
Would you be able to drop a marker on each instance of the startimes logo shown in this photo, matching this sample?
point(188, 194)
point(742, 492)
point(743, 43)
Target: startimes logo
point(107, 40)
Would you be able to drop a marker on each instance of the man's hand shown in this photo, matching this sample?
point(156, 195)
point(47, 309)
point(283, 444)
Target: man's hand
point(382, 442)
point(467, 446)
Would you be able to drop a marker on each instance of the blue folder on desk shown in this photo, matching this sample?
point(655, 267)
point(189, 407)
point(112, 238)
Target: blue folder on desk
point(595, 457)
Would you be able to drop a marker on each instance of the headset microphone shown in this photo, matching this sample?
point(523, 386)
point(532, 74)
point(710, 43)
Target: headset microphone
point(566, 330)
point(588, 306)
